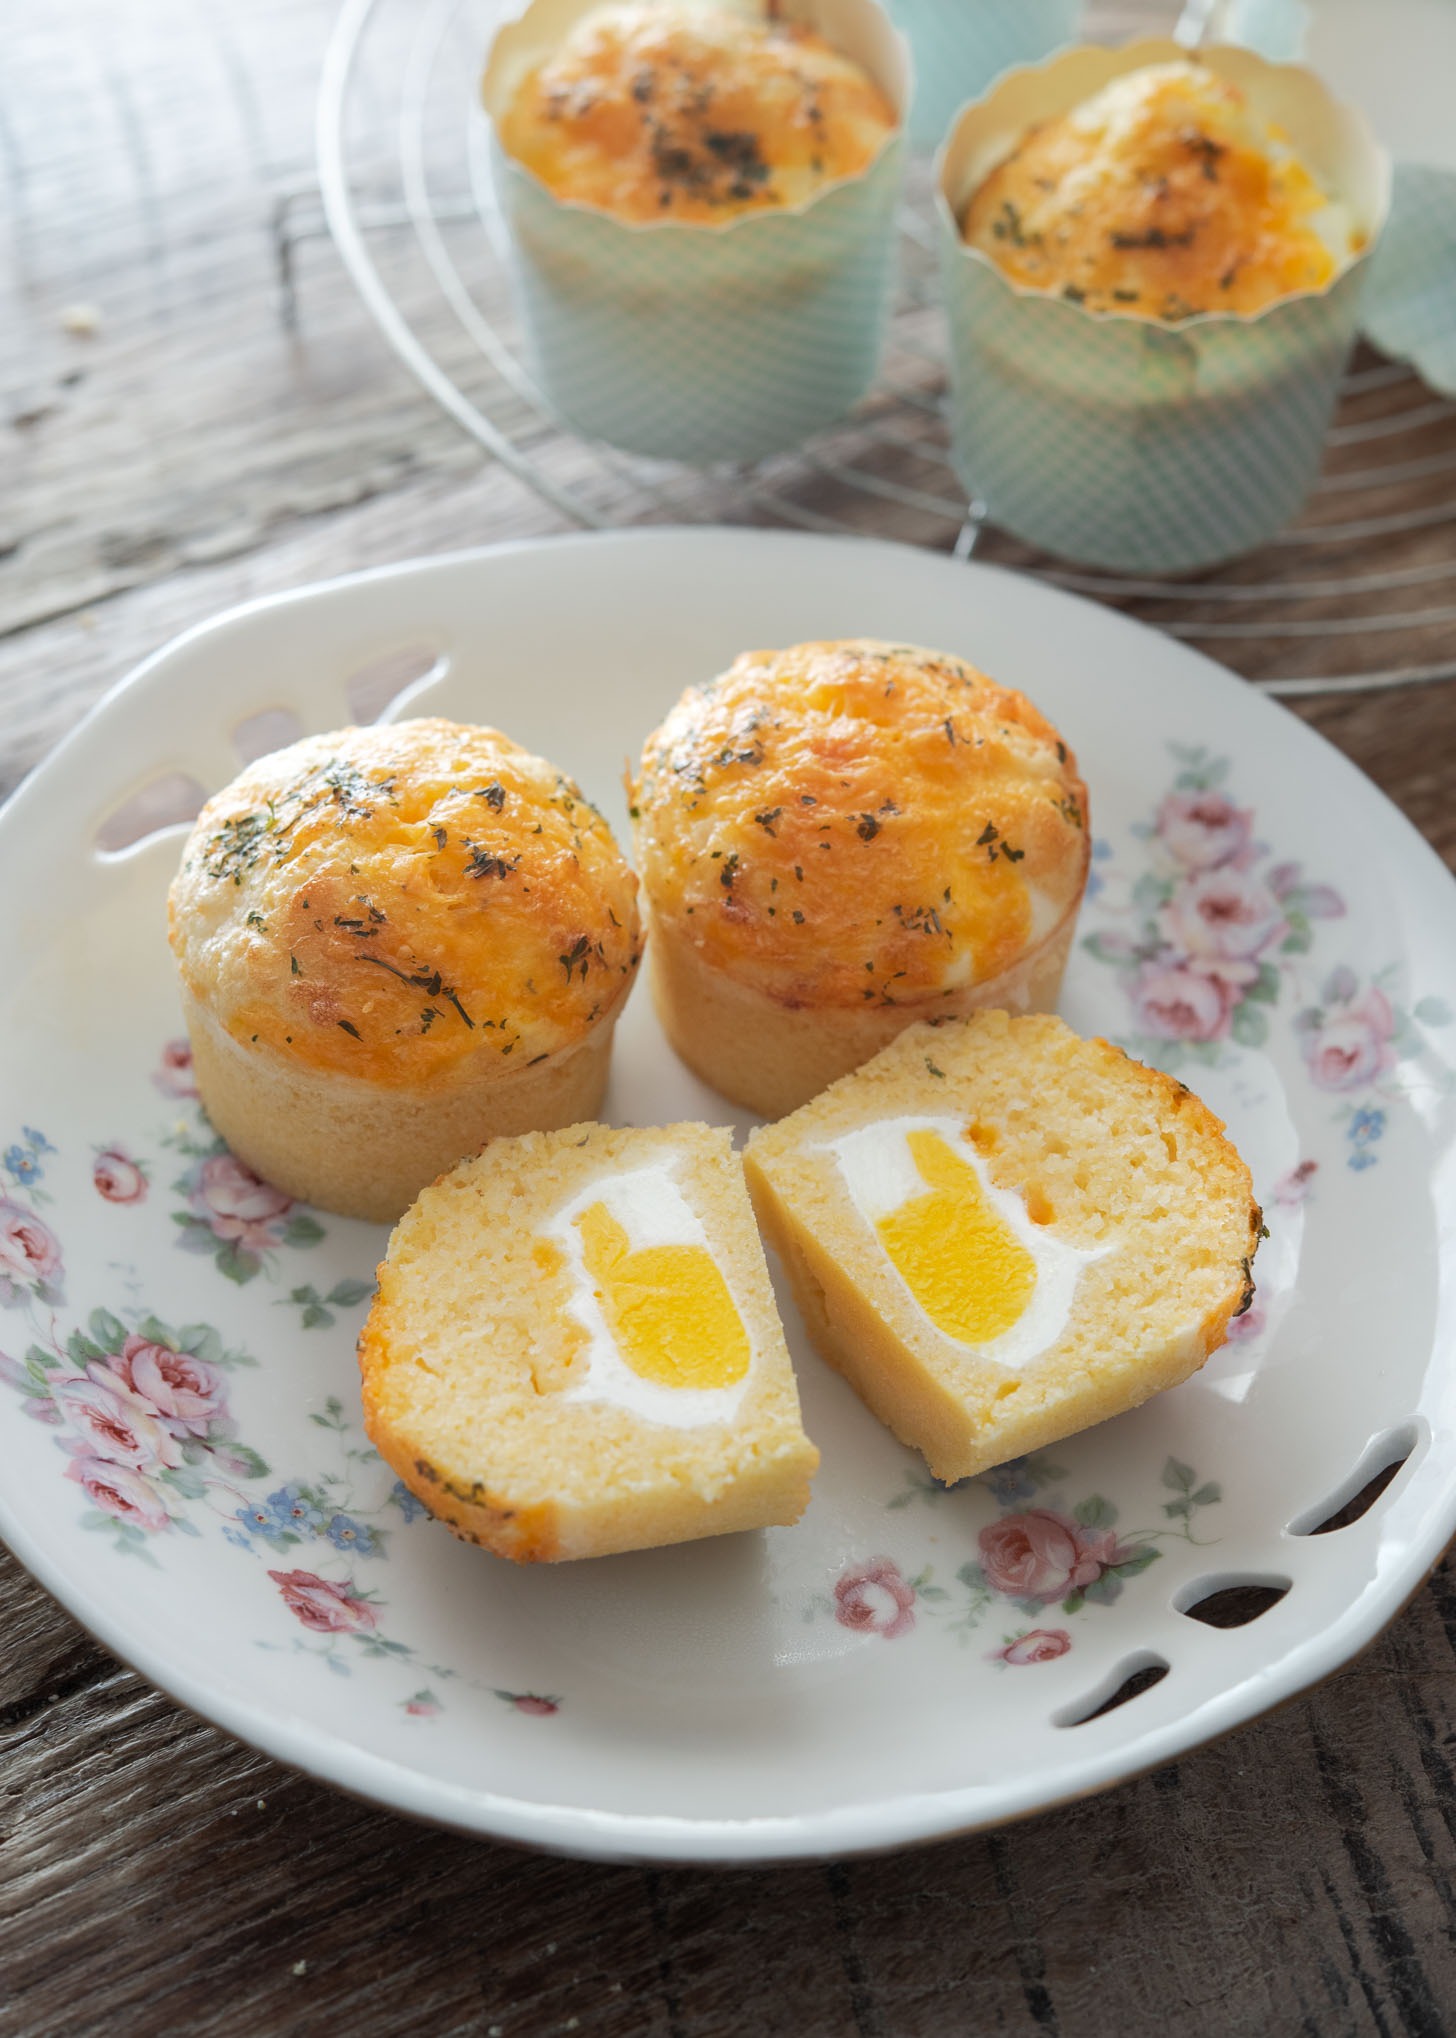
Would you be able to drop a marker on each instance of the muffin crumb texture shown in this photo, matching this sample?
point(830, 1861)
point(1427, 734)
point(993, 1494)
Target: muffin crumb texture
point(1002, 1234)
point(1164, 196)
point(574, 1349)
point(671, 112)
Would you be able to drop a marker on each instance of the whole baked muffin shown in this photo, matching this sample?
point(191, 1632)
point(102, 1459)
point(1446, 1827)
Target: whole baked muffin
point(701, 205)
point(670, 111)
point(1164, 195)
point(394, 944)
point(840, 838)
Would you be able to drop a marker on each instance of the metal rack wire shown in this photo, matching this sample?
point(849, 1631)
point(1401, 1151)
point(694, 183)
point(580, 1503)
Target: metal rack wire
point(404, 182)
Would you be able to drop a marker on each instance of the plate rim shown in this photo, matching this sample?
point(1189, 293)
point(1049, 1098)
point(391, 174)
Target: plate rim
point(882, 1824)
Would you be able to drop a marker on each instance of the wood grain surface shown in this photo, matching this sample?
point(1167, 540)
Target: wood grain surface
point(167, 447)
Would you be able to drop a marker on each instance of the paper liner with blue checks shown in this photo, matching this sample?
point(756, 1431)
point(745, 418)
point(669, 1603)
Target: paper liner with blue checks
point(705, 343)
point(960, 46)
point(695, 342)
point(1118, 441)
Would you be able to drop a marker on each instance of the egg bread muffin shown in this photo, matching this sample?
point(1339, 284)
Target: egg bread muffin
point(1001, 1233)
point(841, 838)
point(1163, 196)
point(395, 943)
point(697, 114)
point(574, 1348)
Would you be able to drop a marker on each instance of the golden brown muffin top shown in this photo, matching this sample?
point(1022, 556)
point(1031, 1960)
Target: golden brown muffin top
point(663, 112)
point(1161, 196)
point(849, 822)
point(386, 902)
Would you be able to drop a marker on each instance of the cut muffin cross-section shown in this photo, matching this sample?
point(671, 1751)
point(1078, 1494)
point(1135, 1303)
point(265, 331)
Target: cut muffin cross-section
point(1001, 1233)
point(575, 1351)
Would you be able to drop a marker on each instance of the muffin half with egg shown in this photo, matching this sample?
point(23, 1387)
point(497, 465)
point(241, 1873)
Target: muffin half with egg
point(842, 837)
point(575, 1351)
point(700, 199)
point(396, 943)
point(1153, 264)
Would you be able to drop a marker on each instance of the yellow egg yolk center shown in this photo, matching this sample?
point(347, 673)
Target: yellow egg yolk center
point(667, 1306)
point(961, 1261)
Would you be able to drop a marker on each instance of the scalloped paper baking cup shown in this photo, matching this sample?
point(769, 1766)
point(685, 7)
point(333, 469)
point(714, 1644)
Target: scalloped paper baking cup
point(705, 343)
point(1118, 441)
point(960, 46)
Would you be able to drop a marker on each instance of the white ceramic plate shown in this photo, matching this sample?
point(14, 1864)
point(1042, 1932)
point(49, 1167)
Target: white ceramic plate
point(181, 1460)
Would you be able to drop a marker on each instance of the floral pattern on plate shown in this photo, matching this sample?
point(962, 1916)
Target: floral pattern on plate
point(1215, 933)
point(1032, 1558)
point(141, 1415)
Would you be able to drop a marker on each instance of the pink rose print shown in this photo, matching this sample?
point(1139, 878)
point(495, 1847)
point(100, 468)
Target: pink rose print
point(118, 1178)
point(1042, 1555)
point(533, 1703)
point(1174, 1003)
point(237, 1204)
point(174, 1076)
point(185, 1392)
point(1221, 920)
point(119, 1490)
point(1204, 829)
point(1241, 1328)
point(1292, 1188)
point(875, 1599)
point(327, 1609)
point(30, 1252)
point(1350, 1045)
point(1037, 1645)
point(422, 1706)
point(108, 1423)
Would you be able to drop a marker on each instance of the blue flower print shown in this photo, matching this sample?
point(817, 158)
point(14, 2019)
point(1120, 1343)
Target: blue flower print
point(36, 1141)
point(347, 1534)
point(291, 1508)
point(236, 1537)
point(260, 1520)
point(409, 1504)
point(1364, 1129)
point(24, 1166)
point(1009, 1483)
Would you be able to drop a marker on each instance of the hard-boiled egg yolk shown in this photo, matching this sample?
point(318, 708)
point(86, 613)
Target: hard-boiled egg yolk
point(960, 1260)
point(667, 1306)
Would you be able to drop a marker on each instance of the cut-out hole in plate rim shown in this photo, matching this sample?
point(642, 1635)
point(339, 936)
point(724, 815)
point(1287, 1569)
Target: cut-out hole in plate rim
point(1132, 1677)
point(1382, 1459)
point(379, 690)
point(270, 729)
point(171, 800)
point(1229, 1600)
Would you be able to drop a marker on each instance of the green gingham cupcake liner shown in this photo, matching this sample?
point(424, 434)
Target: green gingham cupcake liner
point(961, 46)
point(705, 343)
point(1115, 440)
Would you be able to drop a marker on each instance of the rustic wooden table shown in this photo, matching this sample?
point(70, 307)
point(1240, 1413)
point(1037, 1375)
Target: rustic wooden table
point(169, 448)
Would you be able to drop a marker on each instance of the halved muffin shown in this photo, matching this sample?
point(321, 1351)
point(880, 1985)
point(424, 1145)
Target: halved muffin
point(1001, 1233)
point(394, 944)
point(840, 838)
point(574, 1349)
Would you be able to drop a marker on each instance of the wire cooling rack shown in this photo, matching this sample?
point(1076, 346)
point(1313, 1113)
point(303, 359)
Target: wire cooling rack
point(1350, 599)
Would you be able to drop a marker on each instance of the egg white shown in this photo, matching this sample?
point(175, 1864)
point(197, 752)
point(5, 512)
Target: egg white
point(652, 1210)
point(880, 1175)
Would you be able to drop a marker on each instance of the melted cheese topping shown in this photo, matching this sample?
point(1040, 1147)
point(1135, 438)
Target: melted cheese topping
point(966, 1252)
point(665, 1339)
point(1161, 196)
point(856, 822)
point(392, 902)
point(656, 112)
